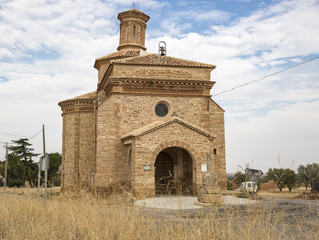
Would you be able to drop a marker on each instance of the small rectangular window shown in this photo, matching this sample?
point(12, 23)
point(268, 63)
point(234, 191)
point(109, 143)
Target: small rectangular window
point(215, 151)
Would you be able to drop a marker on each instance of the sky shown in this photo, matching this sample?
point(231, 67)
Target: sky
point(48, 48)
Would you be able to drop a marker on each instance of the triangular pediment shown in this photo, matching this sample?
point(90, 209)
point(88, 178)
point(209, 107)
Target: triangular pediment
point(161, 124)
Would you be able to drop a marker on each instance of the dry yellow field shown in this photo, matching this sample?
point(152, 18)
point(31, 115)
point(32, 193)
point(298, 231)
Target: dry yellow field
point(81, 216)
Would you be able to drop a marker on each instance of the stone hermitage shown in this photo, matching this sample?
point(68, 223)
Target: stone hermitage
point(151, 124)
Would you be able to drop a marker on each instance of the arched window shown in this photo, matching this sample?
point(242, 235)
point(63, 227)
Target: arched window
point(134, 31)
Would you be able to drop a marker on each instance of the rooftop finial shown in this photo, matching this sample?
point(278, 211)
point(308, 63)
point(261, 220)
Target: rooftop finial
point(134, 4)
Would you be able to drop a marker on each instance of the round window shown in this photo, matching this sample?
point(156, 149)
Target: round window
point(161, 110)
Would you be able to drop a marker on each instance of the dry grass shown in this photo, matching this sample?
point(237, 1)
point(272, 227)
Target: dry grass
point(81, 216)
point(296, 193)
point(29, 191)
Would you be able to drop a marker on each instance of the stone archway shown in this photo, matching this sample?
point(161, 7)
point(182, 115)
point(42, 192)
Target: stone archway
point(174, 172)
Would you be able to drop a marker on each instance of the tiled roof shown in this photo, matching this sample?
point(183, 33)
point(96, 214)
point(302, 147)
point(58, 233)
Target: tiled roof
point(132, 12)
point(85, 97)
point(152, 59)
point(121, 54)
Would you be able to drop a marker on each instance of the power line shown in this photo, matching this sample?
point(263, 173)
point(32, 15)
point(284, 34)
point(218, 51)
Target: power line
point(9, 134)
point(35, 135)
point(266, 76)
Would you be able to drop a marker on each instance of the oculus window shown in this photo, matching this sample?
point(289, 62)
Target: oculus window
point(161, 110)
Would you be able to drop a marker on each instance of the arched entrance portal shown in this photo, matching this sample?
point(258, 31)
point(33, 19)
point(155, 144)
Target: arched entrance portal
point(174, 172)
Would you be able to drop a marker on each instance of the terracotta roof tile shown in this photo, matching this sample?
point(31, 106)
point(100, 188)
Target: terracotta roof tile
point(120, 54)
point(152, 59)
point(85, 96)
point(88, 97)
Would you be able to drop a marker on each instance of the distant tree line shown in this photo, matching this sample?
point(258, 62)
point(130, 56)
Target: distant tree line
point(307, 175)
point(23, 170)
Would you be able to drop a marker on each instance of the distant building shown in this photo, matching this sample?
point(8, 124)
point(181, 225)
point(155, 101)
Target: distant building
point(150, 123)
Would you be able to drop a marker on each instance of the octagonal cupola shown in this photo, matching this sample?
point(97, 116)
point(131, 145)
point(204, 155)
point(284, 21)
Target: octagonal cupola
point(132, 29)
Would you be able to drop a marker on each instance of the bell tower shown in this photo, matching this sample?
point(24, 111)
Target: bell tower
point(132, 29)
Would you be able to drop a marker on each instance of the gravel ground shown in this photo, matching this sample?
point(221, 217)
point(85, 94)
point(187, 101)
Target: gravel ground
point(184, 202)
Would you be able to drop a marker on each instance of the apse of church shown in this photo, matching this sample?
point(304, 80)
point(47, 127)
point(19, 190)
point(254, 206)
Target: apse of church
point(150, 124)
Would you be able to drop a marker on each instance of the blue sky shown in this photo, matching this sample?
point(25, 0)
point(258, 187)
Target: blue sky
point(48, 48)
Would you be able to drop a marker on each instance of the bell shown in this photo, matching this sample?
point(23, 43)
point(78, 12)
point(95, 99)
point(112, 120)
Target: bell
point(162, 51)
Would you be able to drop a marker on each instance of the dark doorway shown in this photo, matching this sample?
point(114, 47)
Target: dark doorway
point(174, 172)
point(164, 173)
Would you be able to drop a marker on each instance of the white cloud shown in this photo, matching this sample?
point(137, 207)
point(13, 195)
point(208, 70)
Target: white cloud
point(202, 15)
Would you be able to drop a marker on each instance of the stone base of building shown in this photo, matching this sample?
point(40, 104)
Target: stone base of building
point(210, 191)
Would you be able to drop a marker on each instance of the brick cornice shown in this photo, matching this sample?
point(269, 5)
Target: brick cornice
point(157, 86)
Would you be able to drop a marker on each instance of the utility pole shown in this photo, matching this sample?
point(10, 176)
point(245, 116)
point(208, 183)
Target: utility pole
point(6, 169)
point(41, 163)
point(43, 134)
point(46, 169)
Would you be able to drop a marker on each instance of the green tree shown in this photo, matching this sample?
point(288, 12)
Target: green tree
point(310, 174)
point(276, 175)
point(15, 170)
point(289, 178)
point(25, 153)
point(302, 178)
point(53, 173)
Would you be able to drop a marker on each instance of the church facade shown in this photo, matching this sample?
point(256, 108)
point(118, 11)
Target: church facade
point(151, 123)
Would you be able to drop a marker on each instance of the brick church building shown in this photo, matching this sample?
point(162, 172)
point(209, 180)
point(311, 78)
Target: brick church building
point(151, 123)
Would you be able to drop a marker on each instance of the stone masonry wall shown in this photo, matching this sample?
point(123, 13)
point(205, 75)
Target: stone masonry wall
point(68, 150)
point(78, 153)
point(120, 114)
point(86, 147)
point(148, 146)
point(160, 72)
point(110, 168)
point(218, 157)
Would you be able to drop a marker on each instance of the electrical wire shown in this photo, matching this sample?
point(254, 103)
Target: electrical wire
point(22, 136)
point(35, 135)
point(266, 76)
